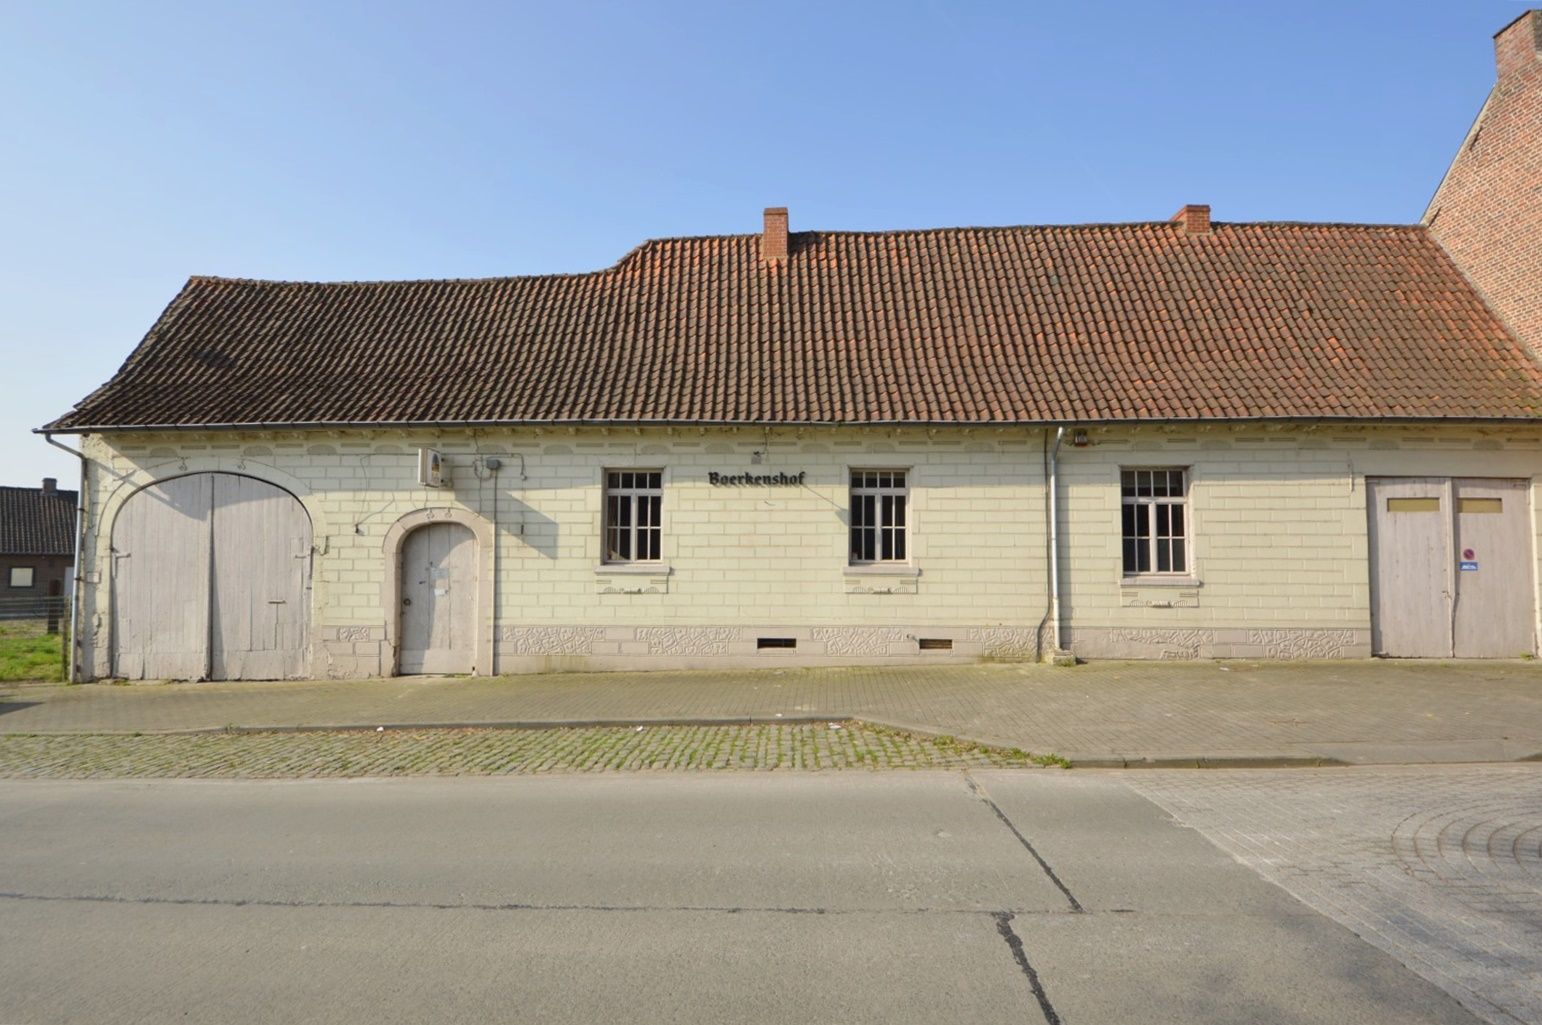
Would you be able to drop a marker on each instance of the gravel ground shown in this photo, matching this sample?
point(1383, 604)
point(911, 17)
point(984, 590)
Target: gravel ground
point(492, 752)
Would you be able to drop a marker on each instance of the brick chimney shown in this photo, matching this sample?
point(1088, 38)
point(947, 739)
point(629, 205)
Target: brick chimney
point(1518, 46)
point(773, 240)
point(50, 485)
point(1487, 212)
point(1195, 218)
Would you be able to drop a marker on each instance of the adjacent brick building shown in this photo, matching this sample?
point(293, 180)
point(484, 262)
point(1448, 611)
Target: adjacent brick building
point(37, 550)
point(1176, 439)
point(1488, 210)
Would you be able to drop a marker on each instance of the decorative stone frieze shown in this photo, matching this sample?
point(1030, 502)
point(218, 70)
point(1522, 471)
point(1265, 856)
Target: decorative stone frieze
point(551, 640)
point(1005, 641)
point(858, 640)
point(687, 640)
point(1170, 645)
point(1287, 644)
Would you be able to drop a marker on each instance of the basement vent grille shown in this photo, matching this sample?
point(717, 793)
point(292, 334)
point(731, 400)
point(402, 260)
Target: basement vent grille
point(776, 642)
point(936, 643)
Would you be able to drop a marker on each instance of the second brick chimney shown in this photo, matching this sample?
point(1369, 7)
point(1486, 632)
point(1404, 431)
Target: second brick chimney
point(1518, 46)
point(1195, 218)
point(773, 240)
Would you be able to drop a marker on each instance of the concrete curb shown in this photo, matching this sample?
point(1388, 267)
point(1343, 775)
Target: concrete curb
point(1244, 761)
point(504, 724)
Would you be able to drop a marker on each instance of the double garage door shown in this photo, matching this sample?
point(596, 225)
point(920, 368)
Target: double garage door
point(1451, 567)
point(211, 580)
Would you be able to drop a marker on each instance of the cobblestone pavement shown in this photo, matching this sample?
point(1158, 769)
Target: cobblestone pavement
point(484, 752)
point(1439, 867)
point(1370, 711)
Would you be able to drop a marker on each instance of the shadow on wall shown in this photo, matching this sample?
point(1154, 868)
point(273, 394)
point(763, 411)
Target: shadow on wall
point(526, 525)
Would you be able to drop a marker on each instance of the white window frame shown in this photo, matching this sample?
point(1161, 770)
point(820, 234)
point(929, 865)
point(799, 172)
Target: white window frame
point(901, 532)
point(635, 495)
point(31, 572)
point(1154, 542)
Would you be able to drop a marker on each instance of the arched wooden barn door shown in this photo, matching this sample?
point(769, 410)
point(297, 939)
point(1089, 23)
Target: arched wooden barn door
point(211, 580)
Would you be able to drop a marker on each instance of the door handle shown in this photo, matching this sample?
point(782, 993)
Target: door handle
point(406, 601)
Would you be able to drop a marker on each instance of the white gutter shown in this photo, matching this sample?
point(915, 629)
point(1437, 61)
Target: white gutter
point(80, 547)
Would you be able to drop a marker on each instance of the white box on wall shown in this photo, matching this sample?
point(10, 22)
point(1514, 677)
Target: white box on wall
point(430, 468)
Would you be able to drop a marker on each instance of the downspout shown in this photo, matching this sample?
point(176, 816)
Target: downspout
point(80, 548)
point(494, 465)
point(1056, 649)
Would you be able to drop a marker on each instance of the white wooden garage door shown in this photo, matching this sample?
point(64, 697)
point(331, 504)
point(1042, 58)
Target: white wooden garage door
point(1451, 567)
point(211, 580)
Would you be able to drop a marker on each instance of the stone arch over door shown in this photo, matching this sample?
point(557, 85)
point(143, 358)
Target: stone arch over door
point(392, 584)
point(210, 579)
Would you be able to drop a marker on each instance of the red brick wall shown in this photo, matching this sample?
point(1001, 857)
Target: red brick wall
point(1488, 211)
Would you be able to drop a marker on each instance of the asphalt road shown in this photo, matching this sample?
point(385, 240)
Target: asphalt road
point(995, 896)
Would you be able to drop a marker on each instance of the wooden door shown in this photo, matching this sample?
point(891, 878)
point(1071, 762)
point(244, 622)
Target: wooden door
point(260, 576)
point(1495, 612)
point(160, 583)
point(438, 600)
point(211, 576)
point(1410, 570)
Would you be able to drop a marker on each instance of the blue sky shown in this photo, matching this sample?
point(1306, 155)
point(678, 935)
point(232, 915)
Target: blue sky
point(337, 141)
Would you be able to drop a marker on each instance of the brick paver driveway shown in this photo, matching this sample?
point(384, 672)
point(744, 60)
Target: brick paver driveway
point(1439, 867)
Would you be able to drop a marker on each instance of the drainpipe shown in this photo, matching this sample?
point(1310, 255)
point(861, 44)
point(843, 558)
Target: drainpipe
point(494, 465)
point(80, 548)
point(1056, 649)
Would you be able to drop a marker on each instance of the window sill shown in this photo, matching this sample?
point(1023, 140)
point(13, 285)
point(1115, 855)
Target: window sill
point(880, 569)
point(632, 578)
point(633, 569)
point(881, 578)
point(1152, 581)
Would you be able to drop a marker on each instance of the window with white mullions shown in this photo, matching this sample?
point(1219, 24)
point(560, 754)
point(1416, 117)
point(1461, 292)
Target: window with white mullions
point(878, 516)
point(634, 502)
point(1154, 510)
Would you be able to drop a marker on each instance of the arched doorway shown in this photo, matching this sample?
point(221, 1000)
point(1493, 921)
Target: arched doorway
point(211, 580)
point(438, 600)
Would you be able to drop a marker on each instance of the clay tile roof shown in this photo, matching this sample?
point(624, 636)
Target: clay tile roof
point(35, 522)
point(964, 325)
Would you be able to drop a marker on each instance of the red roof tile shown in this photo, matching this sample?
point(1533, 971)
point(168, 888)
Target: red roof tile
point(966, 325)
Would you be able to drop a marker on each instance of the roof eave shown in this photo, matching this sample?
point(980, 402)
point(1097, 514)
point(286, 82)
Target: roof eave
point(340, 425)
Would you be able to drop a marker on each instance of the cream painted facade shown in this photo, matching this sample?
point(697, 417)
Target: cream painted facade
point(1278, 528)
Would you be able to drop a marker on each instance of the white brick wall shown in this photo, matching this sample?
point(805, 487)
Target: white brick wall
point(1278, 524)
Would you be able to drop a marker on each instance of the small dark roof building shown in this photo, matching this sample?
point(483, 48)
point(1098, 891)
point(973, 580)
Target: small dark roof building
point(37, 521)
point(37, 546)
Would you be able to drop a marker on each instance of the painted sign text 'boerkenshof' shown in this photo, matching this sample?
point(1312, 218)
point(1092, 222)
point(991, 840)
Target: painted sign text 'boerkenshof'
point(763, 479)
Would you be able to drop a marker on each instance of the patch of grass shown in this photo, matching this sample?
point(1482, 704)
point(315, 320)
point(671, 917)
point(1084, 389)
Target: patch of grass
point(32, 657)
